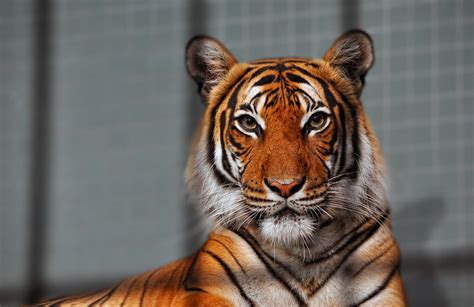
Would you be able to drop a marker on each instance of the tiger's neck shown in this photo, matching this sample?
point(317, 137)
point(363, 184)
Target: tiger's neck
point(329, 247)
point(362, 255)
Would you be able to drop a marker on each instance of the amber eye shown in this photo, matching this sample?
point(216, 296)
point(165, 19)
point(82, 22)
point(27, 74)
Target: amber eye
point(247, 122)
point(318, 121)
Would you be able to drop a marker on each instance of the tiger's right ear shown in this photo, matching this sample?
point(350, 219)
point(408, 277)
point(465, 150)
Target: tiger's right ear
point(352, 54)
point(208, 62)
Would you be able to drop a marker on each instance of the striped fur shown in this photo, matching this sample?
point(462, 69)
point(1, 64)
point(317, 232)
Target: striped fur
point(271, 125)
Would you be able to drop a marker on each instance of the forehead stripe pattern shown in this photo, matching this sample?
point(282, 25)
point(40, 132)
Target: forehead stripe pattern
point(263, 69)
point(265, 80)
point(295, 78)
point(226, 176)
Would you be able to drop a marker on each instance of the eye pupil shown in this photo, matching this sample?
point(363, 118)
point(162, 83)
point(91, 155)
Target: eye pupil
point(248, 123)
point(318, 121)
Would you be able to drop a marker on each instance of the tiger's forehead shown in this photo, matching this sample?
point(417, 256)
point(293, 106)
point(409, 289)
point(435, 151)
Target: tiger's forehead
point(276, 82)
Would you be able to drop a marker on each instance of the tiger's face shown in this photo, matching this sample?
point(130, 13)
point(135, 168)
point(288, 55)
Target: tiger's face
point(284, 145)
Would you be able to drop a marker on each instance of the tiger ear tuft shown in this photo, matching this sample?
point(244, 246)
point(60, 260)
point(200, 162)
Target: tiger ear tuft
point(207, 62)
point(353, 54)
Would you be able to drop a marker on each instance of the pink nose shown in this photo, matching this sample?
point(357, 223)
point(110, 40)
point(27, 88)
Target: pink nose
point(285, 187)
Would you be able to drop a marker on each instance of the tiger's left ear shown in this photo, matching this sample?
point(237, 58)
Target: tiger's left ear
point(352, 54)
point(208, 62)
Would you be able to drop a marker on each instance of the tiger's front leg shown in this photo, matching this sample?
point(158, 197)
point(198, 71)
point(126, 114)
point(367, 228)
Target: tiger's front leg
point(392, 295)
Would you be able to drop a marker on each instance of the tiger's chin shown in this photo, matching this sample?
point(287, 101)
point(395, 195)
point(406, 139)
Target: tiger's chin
point(287, 228)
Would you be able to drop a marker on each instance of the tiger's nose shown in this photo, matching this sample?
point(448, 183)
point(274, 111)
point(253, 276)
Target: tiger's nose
point(285, 187)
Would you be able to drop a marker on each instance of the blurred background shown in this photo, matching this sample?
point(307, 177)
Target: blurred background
point(97, 112)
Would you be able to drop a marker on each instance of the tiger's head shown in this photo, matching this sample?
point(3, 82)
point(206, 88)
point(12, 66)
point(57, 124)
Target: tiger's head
point(284, 145)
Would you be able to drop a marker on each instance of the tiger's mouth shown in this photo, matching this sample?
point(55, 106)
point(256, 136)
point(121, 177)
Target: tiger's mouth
point(288, 221)
point(287, 209)
point(288, 214)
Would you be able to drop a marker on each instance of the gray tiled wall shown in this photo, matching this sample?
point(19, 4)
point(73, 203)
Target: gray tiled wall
point(15, 115)
point(124, 109)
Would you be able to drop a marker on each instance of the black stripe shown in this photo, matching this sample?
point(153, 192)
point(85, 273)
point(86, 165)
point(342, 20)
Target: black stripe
point(296, 295)
point(332, 249)
point(261, 62)
point(233, 100)
point(303, 71)
point(248, 107)
point(235, 158)
point(354, 168)
point(58, 300)
point(221, 179)
point(296, 100)
point(265, 92)
point(191, 267)
point(231, 254)
point(365, 236)
point(280, 264)
point(332, 102)
point(263, 69)
point(295, 78)
point(173, 273)
point(128, 291)
point(341, 155)
point(225, 158)
point(307, 97)
point(145, 287)
point(325, 223)
point(244, 169)
point(271, 103)
point(353, 236)
point(265, 80)
point(382, 286)
point(234, 142)
point(281, 68)
point(196, 289)
point(323, 162)
point(58, 303)
point(313, 65)
point(62, 299)
point(373, 260)
point(231, 276)
point(107, 295)
point(231, 105)
point(272, 95)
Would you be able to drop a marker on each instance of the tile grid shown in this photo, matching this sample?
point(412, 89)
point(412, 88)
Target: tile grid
point(461, 140)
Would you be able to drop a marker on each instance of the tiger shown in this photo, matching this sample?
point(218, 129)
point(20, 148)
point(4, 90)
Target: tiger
point(286, 165)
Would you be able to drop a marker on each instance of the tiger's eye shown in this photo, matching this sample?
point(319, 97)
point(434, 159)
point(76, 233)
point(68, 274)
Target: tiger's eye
point(317, 121)
point(247, 122)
